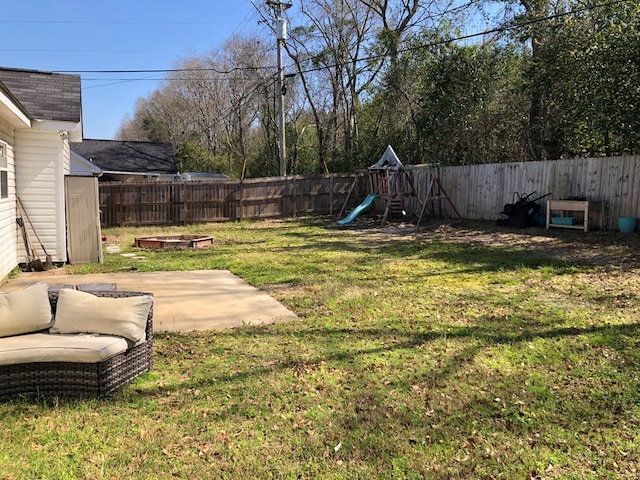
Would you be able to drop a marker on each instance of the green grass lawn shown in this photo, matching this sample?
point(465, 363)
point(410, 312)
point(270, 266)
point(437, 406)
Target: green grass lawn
point(414, 357)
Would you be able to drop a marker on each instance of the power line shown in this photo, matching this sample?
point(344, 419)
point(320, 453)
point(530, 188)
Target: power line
point(43, 50)
point(172, 70)
point(502, 29)
point(115, 22)
point(250, 15)
point(515, 25)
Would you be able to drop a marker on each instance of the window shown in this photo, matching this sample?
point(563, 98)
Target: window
point(4, 173)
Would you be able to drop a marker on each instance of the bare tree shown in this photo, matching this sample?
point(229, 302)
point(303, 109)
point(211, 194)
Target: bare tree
point(327, 51)
point(340, 49)
point(213, 101)
point(247, 59)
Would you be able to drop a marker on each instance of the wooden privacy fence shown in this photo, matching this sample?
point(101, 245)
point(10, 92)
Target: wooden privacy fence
point(171, 203)
point(478, 192)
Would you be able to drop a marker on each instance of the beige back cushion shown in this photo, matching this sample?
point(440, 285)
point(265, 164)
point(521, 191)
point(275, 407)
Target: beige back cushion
point(25, 311)
point(82, 312)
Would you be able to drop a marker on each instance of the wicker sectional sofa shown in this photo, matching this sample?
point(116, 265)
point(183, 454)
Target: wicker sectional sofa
point(81, 352)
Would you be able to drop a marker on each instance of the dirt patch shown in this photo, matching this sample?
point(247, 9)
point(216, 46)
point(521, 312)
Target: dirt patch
point(604, 248)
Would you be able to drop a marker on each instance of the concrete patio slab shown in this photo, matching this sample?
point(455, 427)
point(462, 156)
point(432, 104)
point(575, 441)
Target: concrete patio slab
point(183, 301)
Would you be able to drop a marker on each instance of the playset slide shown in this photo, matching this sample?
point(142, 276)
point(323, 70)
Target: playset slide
point(360, 209)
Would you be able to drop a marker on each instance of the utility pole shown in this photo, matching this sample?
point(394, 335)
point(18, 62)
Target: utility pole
point(281, 35)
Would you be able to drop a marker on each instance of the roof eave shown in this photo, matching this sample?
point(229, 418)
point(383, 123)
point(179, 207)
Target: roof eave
point(12, 111)
point(73, 128)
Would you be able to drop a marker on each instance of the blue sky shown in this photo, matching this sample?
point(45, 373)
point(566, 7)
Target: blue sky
point(85, 36)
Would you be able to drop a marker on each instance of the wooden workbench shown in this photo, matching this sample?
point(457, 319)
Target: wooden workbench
point(587, 207)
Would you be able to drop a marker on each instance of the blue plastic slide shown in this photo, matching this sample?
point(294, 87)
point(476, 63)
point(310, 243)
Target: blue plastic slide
point(360, 209)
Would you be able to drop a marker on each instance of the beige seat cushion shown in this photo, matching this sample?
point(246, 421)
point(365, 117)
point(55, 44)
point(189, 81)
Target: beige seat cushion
point(43, 347)
point(24, 311)
point(81, 312)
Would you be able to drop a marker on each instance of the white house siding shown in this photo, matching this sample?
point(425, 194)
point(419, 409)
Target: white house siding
point(66, 157)
point(8, 239)
point(42, 159)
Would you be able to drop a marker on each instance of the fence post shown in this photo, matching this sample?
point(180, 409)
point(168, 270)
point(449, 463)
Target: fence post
point(186, 203)
point(240, 200)
point(121, 210)
point(331, 187)
point(293, 196)
point(166, 208)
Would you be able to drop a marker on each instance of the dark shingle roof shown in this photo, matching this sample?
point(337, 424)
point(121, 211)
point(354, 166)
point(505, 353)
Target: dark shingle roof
point(123, 156)
point(45, 95)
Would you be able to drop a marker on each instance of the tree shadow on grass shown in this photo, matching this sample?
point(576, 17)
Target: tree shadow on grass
point(391, 390)
point(489, 332)
point(577, 247)
point(460, 258)
point(480, 245)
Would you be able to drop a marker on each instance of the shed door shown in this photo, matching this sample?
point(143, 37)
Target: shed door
point(84, 237)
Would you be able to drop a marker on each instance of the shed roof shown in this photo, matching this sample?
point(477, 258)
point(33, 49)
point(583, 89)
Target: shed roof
point(45, 95)
point(82, 166)
point(125, 156)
